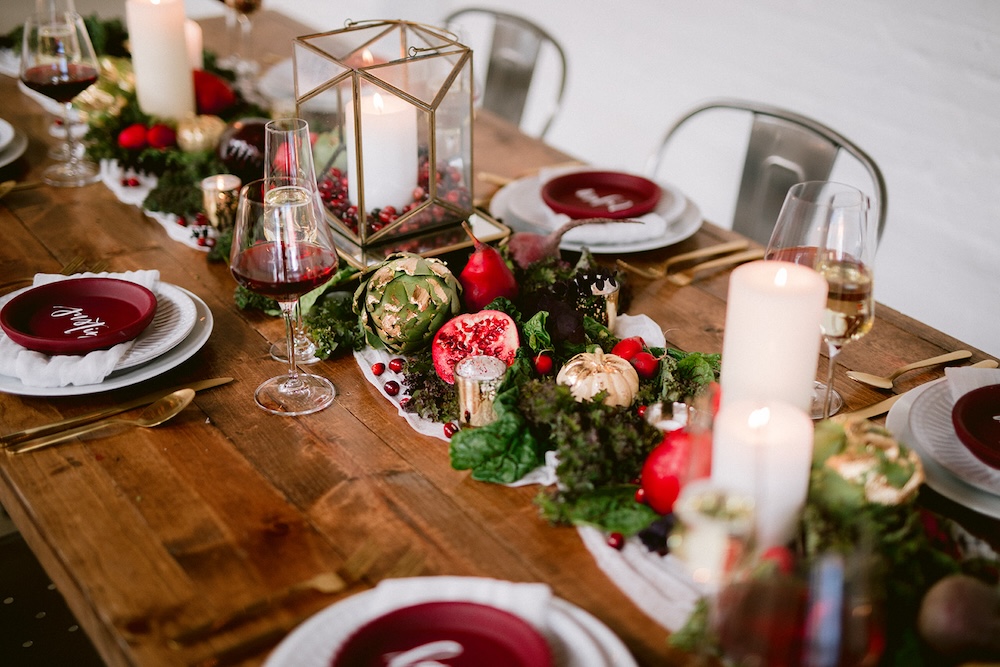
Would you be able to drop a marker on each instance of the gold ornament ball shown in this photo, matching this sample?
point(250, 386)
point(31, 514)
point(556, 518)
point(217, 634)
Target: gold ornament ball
point(200, 133)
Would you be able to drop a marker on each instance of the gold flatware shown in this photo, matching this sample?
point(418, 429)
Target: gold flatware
point(663, 269)
point(13, 186)
point(886, 382)
point(155, 414)
point(686, 277)
point(883, 406)
point(56, 427)
point(75, 265)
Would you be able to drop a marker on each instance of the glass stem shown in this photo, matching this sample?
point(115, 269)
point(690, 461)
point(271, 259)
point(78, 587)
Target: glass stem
point(70, 139)
point(288, 311)
point(833, 350)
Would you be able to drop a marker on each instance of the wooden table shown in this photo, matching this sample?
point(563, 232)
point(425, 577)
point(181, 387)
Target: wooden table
point(147, 532)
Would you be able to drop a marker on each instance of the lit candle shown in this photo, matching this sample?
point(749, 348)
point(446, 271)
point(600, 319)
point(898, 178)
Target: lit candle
point(388, 151)
point(764, 449)
point(164, 85)
point(772, 338)
point(219, 196)
point(195, 44)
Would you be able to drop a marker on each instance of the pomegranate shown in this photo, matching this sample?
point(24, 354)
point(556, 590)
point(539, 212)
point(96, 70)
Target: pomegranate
point(485, 276)
point(488, 332)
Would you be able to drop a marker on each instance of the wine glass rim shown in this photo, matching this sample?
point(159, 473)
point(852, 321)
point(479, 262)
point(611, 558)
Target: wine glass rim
point(808, 192)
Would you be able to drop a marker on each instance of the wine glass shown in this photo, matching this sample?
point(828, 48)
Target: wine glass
point(58, 61)
point(283, 248)
point(828, 226)
point(245, 67)
point(288, 154)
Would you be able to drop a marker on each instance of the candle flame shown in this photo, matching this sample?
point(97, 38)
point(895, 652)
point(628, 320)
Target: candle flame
point(367, 58)
point(759, 418)
point(781, 277)
point(378, 103)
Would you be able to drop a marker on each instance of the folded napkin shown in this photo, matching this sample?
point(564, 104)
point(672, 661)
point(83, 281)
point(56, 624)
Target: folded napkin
point(962, 379)
point(35, 369)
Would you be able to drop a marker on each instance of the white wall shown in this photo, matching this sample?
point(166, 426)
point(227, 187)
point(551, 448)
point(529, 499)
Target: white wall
point(916, 83)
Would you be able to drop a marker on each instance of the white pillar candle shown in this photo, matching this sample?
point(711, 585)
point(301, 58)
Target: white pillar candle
point(164, 85)
point(771, 343)
point(764, 449)
point(195, 44)
point(388, 151)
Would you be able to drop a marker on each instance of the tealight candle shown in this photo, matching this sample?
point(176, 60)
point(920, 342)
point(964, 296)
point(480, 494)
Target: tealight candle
point(477, 379)
point(388, 157)
point(219, 195)
point(764, 449)
point(772, 338)
point(164, 85)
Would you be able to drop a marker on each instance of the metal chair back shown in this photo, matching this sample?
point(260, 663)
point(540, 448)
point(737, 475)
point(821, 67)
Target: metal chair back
point(512, 61)
point(784, 148)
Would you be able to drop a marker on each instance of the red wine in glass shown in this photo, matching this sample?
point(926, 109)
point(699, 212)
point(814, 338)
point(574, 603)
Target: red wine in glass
point(62, 84)
point(284, 274)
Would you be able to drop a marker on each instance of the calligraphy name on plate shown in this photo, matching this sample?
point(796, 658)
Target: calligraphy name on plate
point(613, 202)
point(83, 325)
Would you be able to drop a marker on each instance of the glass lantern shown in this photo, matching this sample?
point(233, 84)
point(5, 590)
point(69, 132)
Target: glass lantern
point(390, 103)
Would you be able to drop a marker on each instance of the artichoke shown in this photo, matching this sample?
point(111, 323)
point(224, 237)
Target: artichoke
point(405, 301)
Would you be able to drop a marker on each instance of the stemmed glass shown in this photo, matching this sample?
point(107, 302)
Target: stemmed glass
point(283, 248)
point(828, 226)
point(245, 67)
point(58, 61)
point(288, 154)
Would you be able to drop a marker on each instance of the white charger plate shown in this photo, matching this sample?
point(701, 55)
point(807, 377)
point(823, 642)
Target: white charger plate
point(939, 478)
point(6, 134)
point(930, 423)
point(577, 638)
point(174, 320)
point(15, 148)
point(180, 353)
point(519, 205)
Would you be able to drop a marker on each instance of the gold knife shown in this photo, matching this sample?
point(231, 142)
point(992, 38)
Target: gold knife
point(56, 427)
point(883, 406)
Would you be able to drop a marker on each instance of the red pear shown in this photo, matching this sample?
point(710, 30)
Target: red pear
point(485, 276)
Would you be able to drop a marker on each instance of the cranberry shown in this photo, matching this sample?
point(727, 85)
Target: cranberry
point(640, 496)
point(403, 402)
point(182, 221)
point(450, 429)
point(392, 387)
point(396, 365)
point(378, 368)
point(641, 411)
point(616, 541)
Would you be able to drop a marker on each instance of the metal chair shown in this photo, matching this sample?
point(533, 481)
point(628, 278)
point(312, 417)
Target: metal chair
point(784, 148)
point(514, 45)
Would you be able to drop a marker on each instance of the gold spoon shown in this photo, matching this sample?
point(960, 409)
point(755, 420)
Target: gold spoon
point(886, 382)
point(9, 186)
point(166, 408)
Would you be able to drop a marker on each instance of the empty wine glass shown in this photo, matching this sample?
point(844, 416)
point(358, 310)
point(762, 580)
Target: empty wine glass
point(288, 154)
point(242, 63)
point(828, 226)
point(283, 248)
point(58, 61)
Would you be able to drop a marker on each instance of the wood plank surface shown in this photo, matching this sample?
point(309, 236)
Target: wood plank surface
point(148, 532)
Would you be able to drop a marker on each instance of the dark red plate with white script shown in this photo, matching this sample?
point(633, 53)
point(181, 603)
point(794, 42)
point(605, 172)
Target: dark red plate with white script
point(458, 634)
point(78, 316)
point(976, 417)
point(601, 194)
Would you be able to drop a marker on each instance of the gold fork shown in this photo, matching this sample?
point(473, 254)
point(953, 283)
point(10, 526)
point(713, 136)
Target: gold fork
point(654, 273)
point(688, 276)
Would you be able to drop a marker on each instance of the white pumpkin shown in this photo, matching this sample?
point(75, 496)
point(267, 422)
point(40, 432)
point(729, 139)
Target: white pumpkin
point(588, 374)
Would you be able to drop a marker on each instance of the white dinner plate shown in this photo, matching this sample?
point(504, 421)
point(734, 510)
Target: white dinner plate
point(174, 320)
point(6, 134)
point(180, 353)
point(15, 149)
point(577, 639)
point(930, 423)
point(938, 477)
point(519, 205)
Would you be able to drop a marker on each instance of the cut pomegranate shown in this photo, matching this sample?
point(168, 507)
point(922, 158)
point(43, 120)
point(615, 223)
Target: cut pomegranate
point(488, 332)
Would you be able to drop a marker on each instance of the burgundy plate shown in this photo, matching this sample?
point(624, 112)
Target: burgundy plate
point(489, 637)
point(78, 316)
point(601, 194)
point(976, 417)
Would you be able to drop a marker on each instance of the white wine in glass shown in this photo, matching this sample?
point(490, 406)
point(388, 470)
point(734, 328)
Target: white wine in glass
point(829, 227)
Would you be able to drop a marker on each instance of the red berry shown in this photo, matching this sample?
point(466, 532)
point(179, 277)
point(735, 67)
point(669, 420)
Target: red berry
point(450, 429)
point(182, 221)
point(640, 496)
point(392, 387)
point(646, 365)
point(641, 410)
point(396, 365)
point(132, 182)
point(403, 402)
point(378, 368)
point(627, 348)
point(616, 541)
point(543, 363)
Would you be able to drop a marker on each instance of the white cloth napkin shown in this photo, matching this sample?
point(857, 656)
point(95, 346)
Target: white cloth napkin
point(35, 369)
point(962, 379)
